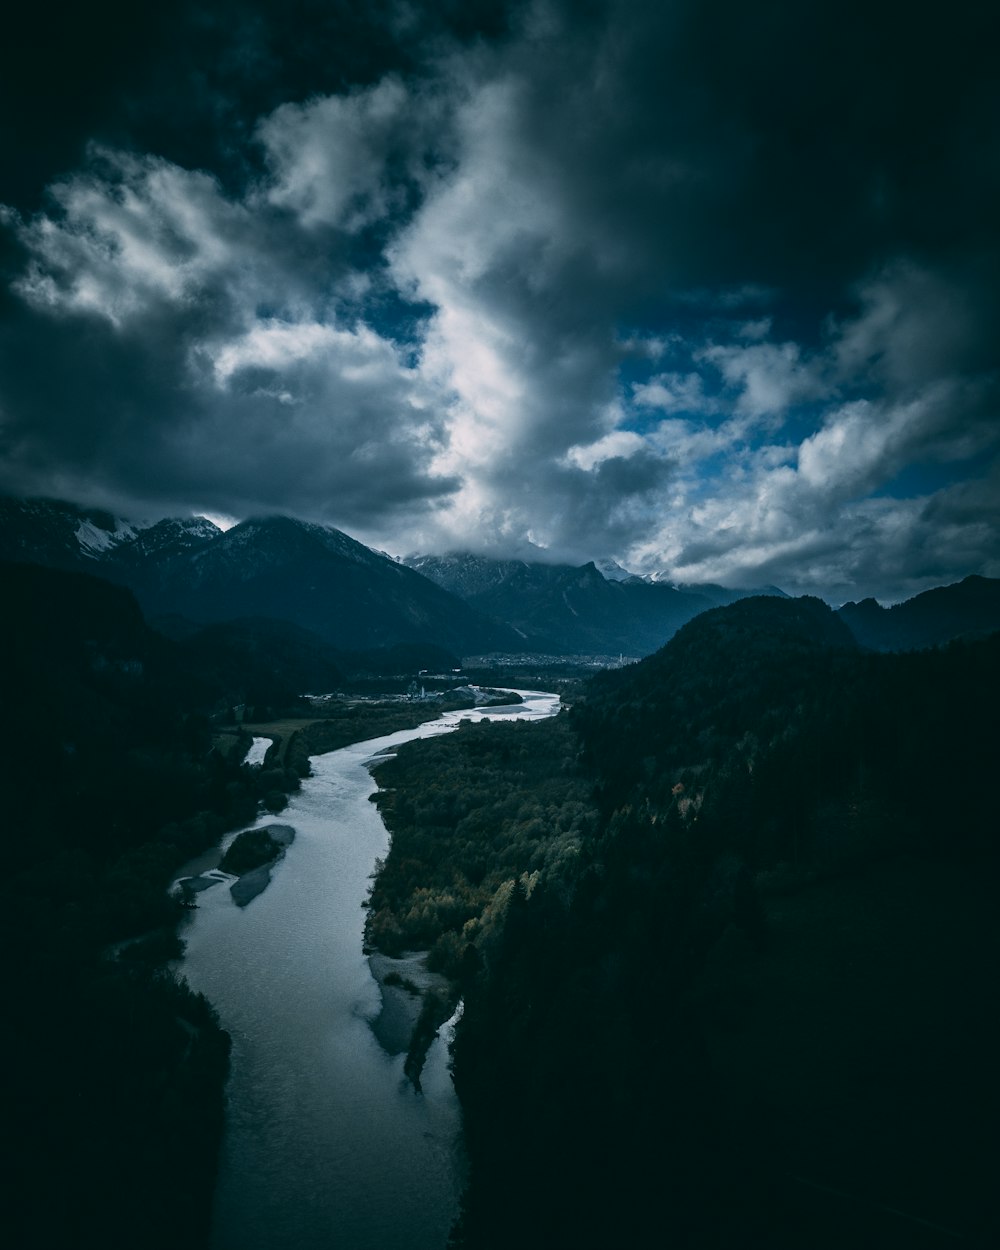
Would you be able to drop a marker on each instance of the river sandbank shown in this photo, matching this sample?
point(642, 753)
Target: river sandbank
point(203, 872)
point(395, 1023)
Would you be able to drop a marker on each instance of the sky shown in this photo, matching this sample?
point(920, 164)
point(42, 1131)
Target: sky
point(710, 289)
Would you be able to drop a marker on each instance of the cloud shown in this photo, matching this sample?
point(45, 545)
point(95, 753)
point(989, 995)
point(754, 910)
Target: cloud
point(916, 324)
point(820, 520)
point(537, 273)
point(620, 445)
point(129, 232)
point(767, 377)
point(330, 158)
point(673, 392)
point(143, 370)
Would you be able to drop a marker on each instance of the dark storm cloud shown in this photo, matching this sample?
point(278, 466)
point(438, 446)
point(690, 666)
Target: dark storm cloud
point(188, 80)
point(128, 420)
point(787, 145)
point(694, 286)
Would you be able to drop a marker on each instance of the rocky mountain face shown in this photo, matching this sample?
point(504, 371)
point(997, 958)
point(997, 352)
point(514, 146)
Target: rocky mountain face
point(189, 573)
point(61, 535)
point(583, 610)
point(313, 576)
point(322, 580)
point(167, 539)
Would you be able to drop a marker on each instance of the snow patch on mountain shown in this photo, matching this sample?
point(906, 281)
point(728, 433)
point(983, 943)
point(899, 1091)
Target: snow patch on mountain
point(95, 539)
point(612, 571)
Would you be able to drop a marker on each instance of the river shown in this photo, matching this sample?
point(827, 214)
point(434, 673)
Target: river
point(327, 1144)
point(258, 750)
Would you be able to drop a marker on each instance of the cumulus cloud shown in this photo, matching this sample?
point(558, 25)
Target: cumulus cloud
point(129, 232)
point(331, 158)
point(768, 378)
point(673, 392)
point(564, 278)
point(171, 386)
point(821, 519)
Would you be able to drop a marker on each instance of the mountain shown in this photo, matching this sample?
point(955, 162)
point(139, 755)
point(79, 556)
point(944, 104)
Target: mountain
point(80, 644)
point(189, 573)
point(579, 610)
point(786, 912)
point(321, 580)
point(729, 670)
point(966, 609)
point(167, 539)
point(61, 535)
point(613, 571)
point(312, 576)
point(721, 595)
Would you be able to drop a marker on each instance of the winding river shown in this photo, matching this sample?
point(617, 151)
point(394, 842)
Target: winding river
point(327, 1144)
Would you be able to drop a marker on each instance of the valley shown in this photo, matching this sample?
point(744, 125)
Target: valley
point(327, 1136)
point(321, 604)
point(500, 632)
point(718, 929)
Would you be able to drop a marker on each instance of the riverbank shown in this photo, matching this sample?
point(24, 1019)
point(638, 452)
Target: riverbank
point(403, 983)
point(470, 815)
point(212, 867)
point(327, 1137)
point(295, 739)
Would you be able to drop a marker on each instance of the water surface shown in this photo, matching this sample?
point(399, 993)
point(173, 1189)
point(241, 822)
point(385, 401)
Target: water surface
point(327, 1144)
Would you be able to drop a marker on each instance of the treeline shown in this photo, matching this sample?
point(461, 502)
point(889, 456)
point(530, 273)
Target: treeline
point(112, 776)
point(114, 1070)
point(470, 813)
point(748, 1011)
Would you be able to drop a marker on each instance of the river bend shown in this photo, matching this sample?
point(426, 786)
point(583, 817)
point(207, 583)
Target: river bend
point(327, 1144)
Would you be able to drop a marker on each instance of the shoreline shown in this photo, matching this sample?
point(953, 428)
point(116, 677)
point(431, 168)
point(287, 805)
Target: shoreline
point(396, 1021)
point(203, 871)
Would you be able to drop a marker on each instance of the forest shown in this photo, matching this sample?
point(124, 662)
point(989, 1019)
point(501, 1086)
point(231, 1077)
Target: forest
point(723, 932)
point(114, 772)
point(471, 812)
point(724, 929)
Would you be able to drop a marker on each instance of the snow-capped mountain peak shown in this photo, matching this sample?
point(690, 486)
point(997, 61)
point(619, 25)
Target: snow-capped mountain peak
point(95, 538)
point(612, 571)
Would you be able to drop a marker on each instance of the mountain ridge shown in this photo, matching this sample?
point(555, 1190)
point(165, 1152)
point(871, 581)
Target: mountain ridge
point(585, 607)
point(355, 598)
point(967, 608)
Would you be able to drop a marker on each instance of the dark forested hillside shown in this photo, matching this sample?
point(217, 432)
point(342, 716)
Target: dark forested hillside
point(115, 769)
point(752, 1010)
point(734, 675)
point(970, 608)
point(763, 714)
point(469, 813)
point(113, 1071)
point(263, 662)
